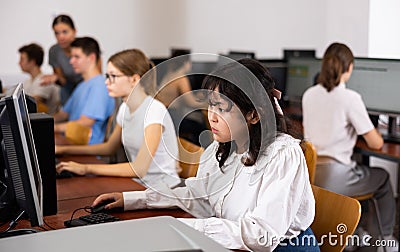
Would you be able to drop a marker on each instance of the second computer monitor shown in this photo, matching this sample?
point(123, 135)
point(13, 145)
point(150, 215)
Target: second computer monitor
point(377, 80)
point(301, 75)
point(22, 174)
point(298, 53)
point(278, 71)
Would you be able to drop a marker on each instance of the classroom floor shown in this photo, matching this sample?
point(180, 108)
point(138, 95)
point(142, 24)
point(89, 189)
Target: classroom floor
point(374, 230)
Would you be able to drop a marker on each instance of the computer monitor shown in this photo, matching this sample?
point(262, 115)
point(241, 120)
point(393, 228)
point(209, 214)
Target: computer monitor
point(237, 55)
point(30, 100)
point(160, 69)
point(377, 81)
point(278, 71)
point(301, 73)
point(175, 52)
point(298, 53)
point(198, 72)
point(20, 172)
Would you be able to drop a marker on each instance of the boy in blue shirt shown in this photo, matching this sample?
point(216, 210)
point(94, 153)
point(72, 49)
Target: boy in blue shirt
point(89, 105)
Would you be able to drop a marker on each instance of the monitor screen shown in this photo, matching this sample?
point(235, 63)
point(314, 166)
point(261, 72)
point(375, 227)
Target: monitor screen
point(199, 70)
point(237, 55)
point(301, 73)
point(298, 53)
point(21, 171)
point(377, 81)
point(277, 69)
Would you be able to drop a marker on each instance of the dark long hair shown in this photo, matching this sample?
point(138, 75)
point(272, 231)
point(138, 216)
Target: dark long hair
point(336, 61)
point(65, 19)
point(250, 87)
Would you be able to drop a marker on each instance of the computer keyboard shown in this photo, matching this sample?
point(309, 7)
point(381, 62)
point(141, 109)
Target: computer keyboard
point(90, 219)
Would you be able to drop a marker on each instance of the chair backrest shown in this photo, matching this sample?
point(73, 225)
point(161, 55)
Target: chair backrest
point(189, 158)
point(41, 107)
point(310, 153)
point(336, 216)
point(77, 133)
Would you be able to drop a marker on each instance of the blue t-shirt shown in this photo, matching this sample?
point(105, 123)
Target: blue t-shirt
point(90, 98)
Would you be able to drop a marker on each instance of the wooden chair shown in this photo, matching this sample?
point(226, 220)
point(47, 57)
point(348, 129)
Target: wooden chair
point(310, 154)
point(189, 158)
point(77, 133)
point(41, 107)
point(335, 214)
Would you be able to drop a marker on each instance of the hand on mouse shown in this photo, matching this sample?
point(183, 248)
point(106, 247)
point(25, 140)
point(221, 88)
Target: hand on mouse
point(117, 198)
point(74, 167)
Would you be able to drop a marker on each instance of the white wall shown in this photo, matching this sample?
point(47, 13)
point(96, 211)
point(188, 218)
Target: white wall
point(24, 21)
point(263, 26)
point(384, 37)
point(347, 22)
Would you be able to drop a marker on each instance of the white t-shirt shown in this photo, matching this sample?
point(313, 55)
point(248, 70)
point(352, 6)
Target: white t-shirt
point(238, 207)
point(133, 125)
point(332, 120)
point(50, 93)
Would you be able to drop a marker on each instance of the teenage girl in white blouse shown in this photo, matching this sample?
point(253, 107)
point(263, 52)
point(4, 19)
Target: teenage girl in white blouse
point(252, 186)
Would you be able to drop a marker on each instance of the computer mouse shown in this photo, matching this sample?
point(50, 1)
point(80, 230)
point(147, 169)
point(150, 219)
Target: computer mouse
point(64, 174)
point(100, 207)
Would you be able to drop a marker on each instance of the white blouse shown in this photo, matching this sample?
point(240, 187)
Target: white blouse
point(243, 207)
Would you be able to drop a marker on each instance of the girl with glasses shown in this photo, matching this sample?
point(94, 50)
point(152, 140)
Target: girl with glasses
point(143, 126)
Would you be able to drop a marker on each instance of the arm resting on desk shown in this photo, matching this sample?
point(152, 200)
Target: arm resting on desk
point(103, 149)
point(374, 139)
point(137, 168)
point(115, 170)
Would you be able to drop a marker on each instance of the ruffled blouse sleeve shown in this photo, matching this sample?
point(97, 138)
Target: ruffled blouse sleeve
point(193, 197)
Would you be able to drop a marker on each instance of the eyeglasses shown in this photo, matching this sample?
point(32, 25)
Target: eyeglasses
point(112, 77)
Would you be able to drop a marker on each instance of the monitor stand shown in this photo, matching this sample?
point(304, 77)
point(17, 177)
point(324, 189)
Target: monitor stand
point(17, 232)
point(393, 133)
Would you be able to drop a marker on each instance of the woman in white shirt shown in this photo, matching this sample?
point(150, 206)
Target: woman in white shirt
point(252, 187)
point(143, 126)
point(333, 116)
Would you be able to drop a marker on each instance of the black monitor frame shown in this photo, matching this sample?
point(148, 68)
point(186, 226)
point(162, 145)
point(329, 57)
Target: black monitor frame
point(237, 55)
point(376, 80)
point(301, 74)
point(298, 53)
point(21, 171)
point(278, 71)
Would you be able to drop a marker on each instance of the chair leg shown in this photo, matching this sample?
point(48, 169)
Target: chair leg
point(378, 218)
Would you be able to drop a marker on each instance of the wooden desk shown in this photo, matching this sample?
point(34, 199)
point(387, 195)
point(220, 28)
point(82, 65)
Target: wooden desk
point(389, 151)
point(77, 192)
point(80, 191)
